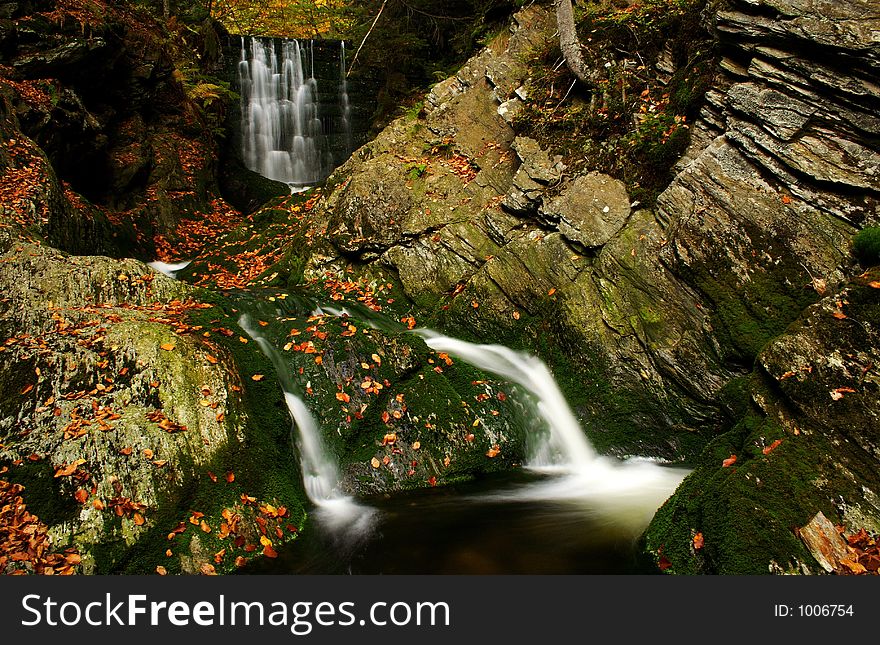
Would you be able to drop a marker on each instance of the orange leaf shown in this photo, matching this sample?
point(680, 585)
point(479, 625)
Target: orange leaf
point(664, 563)
point(139, 519)
point(839, 315)
point(375, 463)
point(204, 526)
point(269, 552)
point(162, 571)
point(493, 451)
point(26, 389)
point(148, 453)
point(211, 359)
point(342, 396)
point(729, 461)
point(698, 541)
point(874, 284)
point(167, 346)
point(230, 477)
point(257, 377)
point(768, 449)
point(81, 496)
point(552, 291)
point(854, 567)
point(786, 199)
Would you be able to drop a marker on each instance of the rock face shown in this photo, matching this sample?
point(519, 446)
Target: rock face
point(488, 238)
point(782, 171)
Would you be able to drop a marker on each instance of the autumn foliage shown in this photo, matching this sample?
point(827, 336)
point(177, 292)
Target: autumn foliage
point(25, 546)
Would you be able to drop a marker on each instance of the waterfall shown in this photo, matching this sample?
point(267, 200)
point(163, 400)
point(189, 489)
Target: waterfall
point(320, 472)
point(627, 492)
point(344, 105)
point(284, 135)
point(566, 442)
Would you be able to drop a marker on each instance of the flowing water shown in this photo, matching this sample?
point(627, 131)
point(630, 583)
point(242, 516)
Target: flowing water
point(284, 136)
point(338, 514)
point(569, 511)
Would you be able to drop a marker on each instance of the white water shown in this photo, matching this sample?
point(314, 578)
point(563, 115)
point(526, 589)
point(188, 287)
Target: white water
point(626, 492)
point(283, 136)
point(320, 473)
point(169, 269)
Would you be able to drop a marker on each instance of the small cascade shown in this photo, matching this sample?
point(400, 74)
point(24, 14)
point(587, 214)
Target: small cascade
point(283, 137)
point(171, 270)
point(566, 443)
point(320, 473)
point(624, 492)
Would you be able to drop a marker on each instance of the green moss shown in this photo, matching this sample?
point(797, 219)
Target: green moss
point(866, 246)
point(747, 512)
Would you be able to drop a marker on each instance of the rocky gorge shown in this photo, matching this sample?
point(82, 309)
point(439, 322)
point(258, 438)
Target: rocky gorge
point(717, 318)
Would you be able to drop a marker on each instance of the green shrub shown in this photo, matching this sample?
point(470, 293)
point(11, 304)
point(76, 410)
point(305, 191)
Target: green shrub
point(866, 246)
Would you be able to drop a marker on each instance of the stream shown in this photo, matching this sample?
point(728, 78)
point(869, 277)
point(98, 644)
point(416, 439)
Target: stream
point(569, 510)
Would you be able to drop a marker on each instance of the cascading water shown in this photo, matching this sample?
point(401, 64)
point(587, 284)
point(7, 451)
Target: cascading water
point(320, 473)
point(629, 492)
point(284, 136)
point(344, 105)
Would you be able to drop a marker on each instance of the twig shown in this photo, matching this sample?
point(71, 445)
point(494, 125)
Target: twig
point(571, 87)
point(375, 20)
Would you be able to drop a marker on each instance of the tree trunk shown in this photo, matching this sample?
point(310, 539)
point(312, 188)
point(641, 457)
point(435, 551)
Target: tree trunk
point(568, 41)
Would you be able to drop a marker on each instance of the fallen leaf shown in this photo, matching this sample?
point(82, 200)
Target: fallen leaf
point(204, 526)
point(139, 519)
point(148, 453)
point(230, 477)
point(211, 359)
point(168, 347)
point(67, 471)
point(269, 552)
point(416, 445)
point(26, 389)
point(768, 449)
point(493, 451)
point(854, 567)
point(552, 291)
point(162, 571)
point(664, 563)
point(698, 541)
point(729, 461)
point(374, 462)
point(257, 377)
point(81, 496)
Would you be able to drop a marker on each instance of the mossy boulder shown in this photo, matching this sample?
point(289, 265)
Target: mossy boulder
point(123, 423)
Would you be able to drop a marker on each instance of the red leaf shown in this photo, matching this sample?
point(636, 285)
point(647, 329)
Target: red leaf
point(729, 461)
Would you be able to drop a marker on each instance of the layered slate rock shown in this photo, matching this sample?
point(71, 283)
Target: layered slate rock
point(782, 171)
